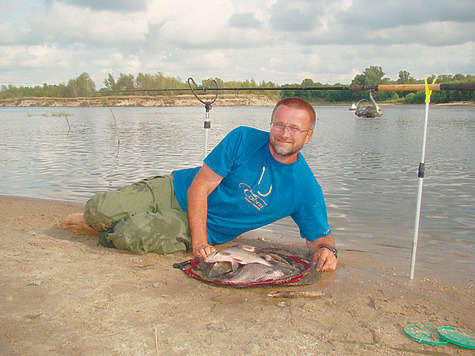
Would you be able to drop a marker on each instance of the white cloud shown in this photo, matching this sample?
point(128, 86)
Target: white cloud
point(10, 33)
point(244, 20)
point(189, 23)
point(63, 23)
point(117, 63)
point(33, 57)
point(216, 59)
point(112, 5)
point(296, 15)
point(283, 41)
point(203, 25)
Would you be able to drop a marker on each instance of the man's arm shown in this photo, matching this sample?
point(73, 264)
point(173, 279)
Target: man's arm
point(322, 257)
point(203, 184)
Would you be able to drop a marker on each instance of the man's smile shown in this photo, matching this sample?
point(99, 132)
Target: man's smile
point(283, 141)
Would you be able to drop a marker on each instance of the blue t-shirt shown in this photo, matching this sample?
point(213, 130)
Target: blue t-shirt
point(256, 189)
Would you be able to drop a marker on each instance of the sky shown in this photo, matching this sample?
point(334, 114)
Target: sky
point(281, 41)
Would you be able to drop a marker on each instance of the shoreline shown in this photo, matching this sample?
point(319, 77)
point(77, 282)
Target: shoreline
point(400, 263)
point(93, 299)
point(182, 100)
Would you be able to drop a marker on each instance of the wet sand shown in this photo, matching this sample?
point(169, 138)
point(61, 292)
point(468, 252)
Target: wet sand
point(63, 294)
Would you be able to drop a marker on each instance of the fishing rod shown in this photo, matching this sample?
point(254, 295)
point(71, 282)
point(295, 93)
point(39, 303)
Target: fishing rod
point(469, 86)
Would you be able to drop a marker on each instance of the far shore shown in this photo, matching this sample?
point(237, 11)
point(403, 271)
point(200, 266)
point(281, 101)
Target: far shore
point(140, 101)
point(182, 100)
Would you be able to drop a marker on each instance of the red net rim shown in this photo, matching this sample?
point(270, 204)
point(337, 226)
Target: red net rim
point(306, 265)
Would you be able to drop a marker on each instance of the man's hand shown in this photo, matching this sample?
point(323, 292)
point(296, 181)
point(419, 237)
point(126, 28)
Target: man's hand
point(325, 260)
point(203, 250)
point(322, 257)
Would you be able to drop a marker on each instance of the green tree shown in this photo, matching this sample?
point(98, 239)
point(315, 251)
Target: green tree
point(110, 82)
point(125, 82)
point(145, 81)
point(81, 86)
point(157, 81)
point(404, 77)
point(372, 75)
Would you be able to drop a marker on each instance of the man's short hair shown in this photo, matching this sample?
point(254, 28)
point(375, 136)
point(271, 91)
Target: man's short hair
point(297, 103)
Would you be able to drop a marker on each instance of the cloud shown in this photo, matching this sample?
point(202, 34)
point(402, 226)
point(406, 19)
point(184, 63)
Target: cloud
point(283, 41)
point(32, 57)
point(128, 64)
point(432, 33)
point(63, 23)
point(244, 20)
point(189, 25)
point(10, 33)
point(296, 15)
point(216, 59)
point(111, 5)
point(384, 23)
point(394, 22)
point(386, 14)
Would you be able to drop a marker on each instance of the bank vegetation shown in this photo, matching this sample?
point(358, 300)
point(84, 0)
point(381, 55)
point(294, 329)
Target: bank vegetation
point(141, 90)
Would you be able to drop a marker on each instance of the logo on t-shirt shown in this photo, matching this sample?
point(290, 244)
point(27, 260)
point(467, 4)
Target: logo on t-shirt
point(256, 200)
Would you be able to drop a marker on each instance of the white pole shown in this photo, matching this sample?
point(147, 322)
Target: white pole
point(208, 106)
point(421, 181)
point(207, 125)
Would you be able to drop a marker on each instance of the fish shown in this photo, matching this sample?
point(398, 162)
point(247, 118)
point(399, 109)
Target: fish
point(254, 272)
point(220, 269)
point(295, 294)
point(237, 255)
point(245, 266)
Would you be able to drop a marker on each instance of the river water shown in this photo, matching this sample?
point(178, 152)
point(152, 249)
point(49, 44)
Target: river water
point(366, 167)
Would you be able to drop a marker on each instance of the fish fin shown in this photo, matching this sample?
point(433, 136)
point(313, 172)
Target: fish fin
point(248, 248)
point(266, 257)
point(234, 265)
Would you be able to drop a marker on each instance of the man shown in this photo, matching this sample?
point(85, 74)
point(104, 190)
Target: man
point(251, 179)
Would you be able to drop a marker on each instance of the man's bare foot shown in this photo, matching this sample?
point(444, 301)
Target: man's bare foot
point(75, 222)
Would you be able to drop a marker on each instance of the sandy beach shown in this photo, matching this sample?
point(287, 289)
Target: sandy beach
point(235, 99)
point(63, 294)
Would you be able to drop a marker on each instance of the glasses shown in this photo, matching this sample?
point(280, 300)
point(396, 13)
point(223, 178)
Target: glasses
point(292, 130)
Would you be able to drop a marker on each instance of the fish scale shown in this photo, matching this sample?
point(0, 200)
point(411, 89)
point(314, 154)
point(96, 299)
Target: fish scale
point(255, 272)
point(237, 255)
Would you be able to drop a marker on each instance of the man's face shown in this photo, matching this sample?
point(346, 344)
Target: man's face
point(291, 128)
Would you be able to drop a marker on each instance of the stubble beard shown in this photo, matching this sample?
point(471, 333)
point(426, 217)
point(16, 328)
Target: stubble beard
point(283, 151)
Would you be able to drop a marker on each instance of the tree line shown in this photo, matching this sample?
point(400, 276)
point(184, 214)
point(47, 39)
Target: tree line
point(375, 75)
point(143, 83)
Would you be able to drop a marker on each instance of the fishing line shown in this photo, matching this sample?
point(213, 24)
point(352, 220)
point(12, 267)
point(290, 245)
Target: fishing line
point(116, 128)
point(115, 166)
point(69, 126)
